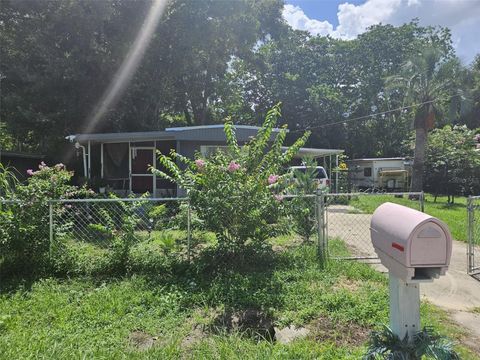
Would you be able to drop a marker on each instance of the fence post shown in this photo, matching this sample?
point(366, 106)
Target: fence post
point(422, 201)
point(320, 208)
point(189, 229)
point(50, 215)
point(470, 246)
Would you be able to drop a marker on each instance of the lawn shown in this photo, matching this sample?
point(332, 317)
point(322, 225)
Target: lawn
point(182, 311)
point(454, 215)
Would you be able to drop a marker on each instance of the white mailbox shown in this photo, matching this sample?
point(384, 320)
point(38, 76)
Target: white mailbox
point(413, 246)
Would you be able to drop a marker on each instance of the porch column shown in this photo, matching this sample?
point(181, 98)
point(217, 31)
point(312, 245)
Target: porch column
point(330, 168)
point(89, 160)
point(336, 173)
point(129, 167)
point(101, 160)
point(154, 164)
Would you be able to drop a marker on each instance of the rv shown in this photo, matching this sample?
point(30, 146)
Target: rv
point(387, 174)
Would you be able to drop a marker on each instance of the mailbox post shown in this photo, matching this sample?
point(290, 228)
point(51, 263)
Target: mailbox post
point(415, 248)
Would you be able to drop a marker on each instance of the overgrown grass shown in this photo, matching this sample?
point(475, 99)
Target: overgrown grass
point(177, 309)
point(454, 215)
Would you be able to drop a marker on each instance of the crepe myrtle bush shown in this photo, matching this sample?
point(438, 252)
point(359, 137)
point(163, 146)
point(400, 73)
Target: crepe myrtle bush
point(25, 222)
point(236, 193)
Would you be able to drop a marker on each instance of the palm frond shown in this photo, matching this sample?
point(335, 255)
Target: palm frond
point(427, 343)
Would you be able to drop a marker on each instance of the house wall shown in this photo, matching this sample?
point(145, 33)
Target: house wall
point(189, 148)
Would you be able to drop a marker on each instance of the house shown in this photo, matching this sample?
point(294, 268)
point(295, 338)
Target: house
point(390, 174)
point(20, 162)
point(122, 159)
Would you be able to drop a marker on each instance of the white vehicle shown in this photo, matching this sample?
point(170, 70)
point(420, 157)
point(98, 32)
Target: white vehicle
point(321, 175)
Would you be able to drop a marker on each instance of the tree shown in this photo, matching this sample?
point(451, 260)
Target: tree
point(472, 79)
point(452, 162)
point(426, 81)
point(322, 81)
point(59, 56)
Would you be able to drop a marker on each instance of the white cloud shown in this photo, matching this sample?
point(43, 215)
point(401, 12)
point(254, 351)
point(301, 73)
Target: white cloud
point(461, 16)
point(298, 20)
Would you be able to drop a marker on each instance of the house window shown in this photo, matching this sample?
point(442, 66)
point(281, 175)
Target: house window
point(207, 150)
point(367, 172)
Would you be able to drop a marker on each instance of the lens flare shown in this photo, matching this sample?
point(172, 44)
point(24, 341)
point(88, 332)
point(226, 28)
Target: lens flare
point(129, 65)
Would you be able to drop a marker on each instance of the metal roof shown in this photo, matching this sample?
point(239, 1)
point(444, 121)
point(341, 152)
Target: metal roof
point(194, 133)
point(204, 133)
point(215, 126)
point(122, 137)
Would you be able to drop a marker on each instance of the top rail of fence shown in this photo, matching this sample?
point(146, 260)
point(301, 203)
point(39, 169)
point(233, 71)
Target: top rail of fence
point(10, 201)
point(286, 196)
point(117, 200)
point(477, 197)
point(376, 193)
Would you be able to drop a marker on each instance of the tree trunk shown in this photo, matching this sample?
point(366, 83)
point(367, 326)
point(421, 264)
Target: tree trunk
point(419, 159)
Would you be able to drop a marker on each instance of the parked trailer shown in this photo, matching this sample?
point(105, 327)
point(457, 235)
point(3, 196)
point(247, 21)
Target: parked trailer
point(390, 174)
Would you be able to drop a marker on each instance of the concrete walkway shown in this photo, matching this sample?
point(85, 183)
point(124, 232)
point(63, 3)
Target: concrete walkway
point(456, 292)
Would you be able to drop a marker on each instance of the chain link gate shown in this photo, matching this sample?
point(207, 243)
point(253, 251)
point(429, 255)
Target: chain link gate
point(346, 221)
point(473, 218)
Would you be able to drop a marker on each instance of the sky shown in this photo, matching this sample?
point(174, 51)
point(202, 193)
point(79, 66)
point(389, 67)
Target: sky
point(347, 19)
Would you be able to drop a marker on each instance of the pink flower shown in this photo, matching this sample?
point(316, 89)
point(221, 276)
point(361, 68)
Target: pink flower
point(59, 166)
point(30, 172)
point(477, 138)
point(42, 165)
point(233, 166)
point(272, 179)
point(200, 164)
point(278, 197)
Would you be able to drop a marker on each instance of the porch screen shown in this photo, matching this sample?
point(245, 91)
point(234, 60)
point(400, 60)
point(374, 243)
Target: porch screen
point(115, 161)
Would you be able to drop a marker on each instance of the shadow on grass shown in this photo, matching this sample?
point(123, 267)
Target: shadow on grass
point(234, 280)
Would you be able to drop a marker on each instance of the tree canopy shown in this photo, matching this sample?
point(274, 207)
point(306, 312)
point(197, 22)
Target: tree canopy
point(208, 59)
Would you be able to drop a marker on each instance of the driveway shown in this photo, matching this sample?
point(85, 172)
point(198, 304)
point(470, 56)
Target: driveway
point(456, 292)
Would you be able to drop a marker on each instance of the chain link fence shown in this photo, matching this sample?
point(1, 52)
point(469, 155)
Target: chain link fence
point(473, 249)
point(347, 219)
point(338, 223)
point(102, 222)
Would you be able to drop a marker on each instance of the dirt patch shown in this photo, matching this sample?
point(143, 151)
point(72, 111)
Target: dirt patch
point(350, 334)
point(251, 322)
point(193, 338)
point(344, 283)
point(141, 340)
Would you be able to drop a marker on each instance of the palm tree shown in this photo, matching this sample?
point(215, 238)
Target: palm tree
point(427, 79)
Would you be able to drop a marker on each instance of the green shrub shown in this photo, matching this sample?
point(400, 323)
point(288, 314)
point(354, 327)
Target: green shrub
point(158, 216)
point(426, 344)
point(8, 181)
point(25, 242)
point(232, 191)
point(180, 220)
point(99, 232)
point(302, 208)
